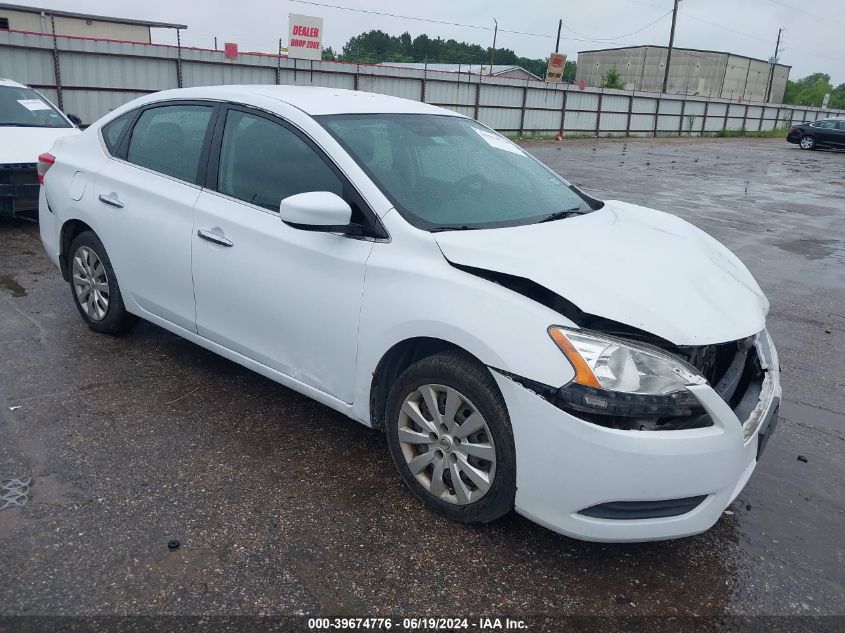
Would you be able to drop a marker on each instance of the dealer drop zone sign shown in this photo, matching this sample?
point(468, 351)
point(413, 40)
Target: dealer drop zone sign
point(305, 37)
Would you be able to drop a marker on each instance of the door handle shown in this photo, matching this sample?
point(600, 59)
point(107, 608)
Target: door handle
point(111, 199)
point(216, 238)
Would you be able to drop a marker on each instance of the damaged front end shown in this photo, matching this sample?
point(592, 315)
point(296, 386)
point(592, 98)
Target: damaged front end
point(738, 371)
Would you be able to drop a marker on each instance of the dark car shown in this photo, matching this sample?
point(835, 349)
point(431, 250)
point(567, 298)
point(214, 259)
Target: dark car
point(823, 133)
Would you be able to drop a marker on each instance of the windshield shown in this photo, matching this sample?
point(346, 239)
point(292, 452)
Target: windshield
point(23, 107)
point(445, 172)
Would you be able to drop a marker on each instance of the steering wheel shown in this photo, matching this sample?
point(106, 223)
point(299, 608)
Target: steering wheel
point(473, 182)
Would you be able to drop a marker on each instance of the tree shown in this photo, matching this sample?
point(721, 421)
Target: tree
point(328, 54)
point(810, 91)
point(377, 46)
point(611, 79)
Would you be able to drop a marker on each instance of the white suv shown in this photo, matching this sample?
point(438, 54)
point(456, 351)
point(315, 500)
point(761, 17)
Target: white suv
point(600, 367)
point(29, 125)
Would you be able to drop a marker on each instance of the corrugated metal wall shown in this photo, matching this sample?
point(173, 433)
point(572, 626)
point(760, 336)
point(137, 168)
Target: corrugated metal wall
point(98, 76)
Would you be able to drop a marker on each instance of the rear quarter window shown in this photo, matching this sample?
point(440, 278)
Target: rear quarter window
point(113, 132)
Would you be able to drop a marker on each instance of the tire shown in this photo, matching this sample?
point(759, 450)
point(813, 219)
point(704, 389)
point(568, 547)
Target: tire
point(90, 269)
point(807, 142)
point(453, 378)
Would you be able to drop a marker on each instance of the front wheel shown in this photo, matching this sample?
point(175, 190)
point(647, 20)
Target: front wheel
point(807, 142)
point(450, 437)
point(94, 286)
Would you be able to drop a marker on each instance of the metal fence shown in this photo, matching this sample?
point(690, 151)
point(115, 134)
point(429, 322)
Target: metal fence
point(89, 77)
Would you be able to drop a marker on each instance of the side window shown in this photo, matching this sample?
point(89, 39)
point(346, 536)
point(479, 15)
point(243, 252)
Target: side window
point(168, 139)
point(262, 162)
point(113, 131)
point(840, 125)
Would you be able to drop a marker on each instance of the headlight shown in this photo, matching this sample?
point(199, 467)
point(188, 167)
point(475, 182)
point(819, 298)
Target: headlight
point(609, 363)
point(623, 385)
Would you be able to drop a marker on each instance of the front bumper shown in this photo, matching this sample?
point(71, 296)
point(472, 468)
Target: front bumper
point(18, 189)
point(566, 465)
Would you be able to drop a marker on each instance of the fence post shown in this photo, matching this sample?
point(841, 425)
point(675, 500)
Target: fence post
point(681, 122)
point(744, 117)
point(598, 112)
point(355, 81)
point(762, 114)
point(727, 111)
point(656, 115)
point(178, 59)
point(56, 67)
point(425, 76)
point(563, 111)
point(704, 120)
point(522, 114)
point(630, 110)
point(279, 64)
point(477, 96)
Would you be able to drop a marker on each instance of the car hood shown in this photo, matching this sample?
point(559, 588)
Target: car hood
point(634, 265)
point(24, 144)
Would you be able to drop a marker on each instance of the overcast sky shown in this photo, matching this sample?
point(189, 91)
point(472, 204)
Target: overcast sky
point(812, 42)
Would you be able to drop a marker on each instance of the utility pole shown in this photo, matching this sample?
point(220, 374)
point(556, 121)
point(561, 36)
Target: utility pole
point(559, 24)
point(772, 69)
point(493, 53)
point(671, 44)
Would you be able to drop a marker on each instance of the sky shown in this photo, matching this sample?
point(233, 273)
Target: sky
point(812, 40)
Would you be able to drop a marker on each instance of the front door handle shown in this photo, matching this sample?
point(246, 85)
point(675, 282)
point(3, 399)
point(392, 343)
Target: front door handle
point(111, 199)
point(214, 237)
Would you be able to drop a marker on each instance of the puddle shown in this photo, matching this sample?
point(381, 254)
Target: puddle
point(812, 249)
point(9, 284)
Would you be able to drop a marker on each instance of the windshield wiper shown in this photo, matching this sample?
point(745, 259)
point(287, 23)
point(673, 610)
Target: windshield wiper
point(453, 227)
point(560, 215)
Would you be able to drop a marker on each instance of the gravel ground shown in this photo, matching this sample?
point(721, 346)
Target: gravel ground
point(283, 507)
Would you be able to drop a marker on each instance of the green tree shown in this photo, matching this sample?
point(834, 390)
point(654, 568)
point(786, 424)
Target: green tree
point(611, 79)
point(328, 54)
point(810, 91)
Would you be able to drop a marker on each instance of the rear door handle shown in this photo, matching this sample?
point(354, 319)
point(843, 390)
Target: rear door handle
point(216, 238)
point(111, 199)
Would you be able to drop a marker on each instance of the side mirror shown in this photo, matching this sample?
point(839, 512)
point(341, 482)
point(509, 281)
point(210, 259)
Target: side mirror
point(74, 119)
point(316, 211)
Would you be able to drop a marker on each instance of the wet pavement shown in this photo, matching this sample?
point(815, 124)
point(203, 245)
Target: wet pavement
point(282, 506)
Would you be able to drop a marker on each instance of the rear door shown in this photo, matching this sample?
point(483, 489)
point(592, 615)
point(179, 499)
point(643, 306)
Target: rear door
point(285, 297)
point(146, 196)
point(839, 138)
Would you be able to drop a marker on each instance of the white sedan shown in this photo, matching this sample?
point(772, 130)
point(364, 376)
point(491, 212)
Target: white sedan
point(602, 368)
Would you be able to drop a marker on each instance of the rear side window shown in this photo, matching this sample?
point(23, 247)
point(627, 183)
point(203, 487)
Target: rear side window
point(262, 162)
point(113, 131)
point(169, 140)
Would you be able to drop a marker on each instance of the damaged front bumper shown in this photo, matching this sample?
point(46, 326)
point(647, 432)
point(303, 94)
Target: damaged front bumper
point(603, 484)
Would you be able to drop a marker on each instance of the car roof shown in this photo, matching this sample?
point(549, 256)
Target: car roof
point(11, 83)
point(311, 100)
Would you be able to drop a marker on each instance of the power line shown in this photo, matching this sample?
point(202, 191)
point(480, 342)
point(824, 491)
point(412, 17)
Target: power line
point(618, 37)
point(459, 24)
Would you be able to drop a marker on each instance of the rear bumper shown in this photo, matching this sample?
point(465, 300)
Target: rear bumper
point(567, 466)
point(18, 190)
point(793, 137)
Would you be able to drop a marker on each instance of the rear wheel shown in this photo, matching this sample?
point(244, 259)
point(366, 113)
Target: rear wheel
point(450, 437)
point(94, 286)
point(807, 142)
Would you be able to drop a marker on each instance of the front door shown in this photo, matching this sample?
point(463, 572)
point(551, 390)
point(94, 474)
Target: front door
point(287, 298)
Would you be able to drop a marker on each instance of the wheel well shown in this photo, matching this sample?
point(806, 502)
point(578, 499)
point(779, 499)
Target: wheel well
point(397, 359)
point(70, 230)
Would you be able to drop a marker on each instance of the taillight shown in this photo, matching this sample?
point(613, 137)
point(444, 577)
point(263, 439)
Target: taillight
point(45, 161)
point(792, 129)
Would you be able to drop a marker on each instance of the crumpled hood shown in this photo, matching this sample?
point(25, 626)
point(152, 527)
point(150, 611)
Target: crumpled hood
point(634, 265)
point(24, 144)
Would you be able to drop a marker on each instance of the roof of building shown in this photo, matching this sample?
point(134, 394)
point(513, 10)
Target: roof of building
point(498, 69)
point(311, 100)
point(88, 16)
point(677, 48)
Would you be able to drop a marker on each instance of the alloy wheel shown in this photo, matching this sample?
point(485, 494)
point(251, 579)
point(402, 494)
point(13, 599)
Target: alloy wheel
point(90, 283)
point(807, 143)
point(447, 444)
